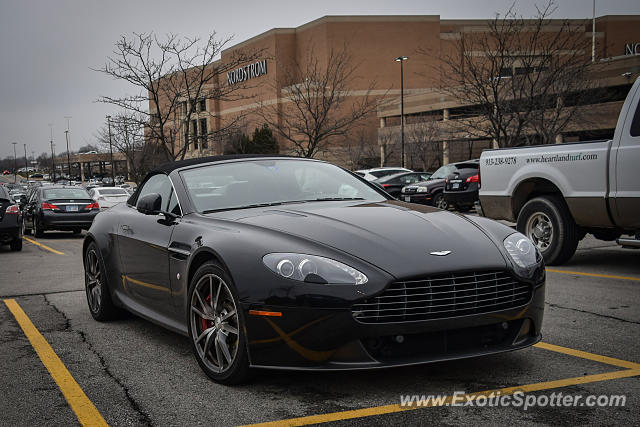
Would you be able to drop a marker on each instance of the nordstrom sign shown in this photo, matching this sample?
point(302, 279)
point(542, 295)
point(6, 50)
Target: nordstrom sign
point(247, 72)
point(632, 49)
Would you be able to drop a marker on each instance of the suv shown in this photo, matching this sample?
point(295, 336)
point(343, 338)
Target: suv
point(431, 192)
point(461, 187)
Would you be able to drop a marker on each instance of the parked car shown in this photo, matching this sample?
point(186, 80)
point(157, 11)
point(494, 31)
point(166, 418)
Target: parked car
point(560, 192)
point(107, 181)
point(431, 192)
point(393, 184)
point(108, 197)
point(59, 208)
point(10, 221)
point(461, 187)
point(376, 173)
point(288, 244)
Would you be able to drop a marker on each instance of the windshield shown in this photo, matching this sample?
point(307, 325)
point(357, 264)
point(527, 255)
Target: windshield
point(261, 182)
point(65, 193)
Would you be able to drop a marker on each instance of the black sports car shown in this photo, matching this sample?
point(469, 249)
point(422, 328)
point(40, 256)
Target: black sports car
point(296, 263)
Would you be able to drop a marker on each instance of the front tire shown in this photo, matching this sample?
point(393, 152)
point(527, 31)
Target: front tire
point(547, 222)
point(37, 230)
point(439, 201)
point(25, 231)
point(95, 280)
point(216, 325)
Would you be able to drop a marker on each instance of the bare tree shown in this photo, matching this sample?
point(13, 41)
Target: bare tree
point(173, 75)
point(362, 150)
point(514, 76)
point(318, 103)
point(424, 144)
point(388, 145)
point(127, 137)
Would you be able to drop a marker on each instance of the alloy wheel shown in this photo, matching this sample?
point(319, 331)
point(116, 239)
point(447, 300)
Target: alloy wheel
point(214, 323)
point(441, 203)
point(539, 230)
point(93, 284)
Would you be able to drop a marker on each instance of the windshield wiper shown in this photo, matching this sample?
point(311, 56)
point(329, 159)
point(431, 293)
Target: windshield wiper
point(233, 208)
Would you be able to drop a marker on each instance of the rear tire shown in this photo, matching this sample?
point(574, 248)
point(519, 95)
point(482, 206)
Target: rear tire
point(16, 245)
point(25, 231)
point(546, 220)
point(96, 287)
point(37, 231)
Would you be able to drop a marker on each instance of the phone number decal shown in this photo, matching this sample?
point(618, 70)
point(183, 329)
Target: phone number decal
point(500, 161)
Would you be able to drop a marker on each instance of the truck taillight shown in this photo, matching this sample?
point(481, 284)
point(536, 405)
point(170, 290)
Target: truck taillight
point(49, 207)
point(13, 210)
point(474, 178)
point(92, 206)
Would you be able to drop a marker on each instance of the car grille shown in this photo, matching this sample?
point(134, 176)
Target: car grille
point(443, 296)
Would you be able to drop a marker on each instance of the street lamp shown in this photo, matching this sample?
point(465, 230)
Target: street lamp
point(401, 60)
point(113, 178)
point(66, 134)
point(15, 164)
point(26, 166)
point(53, 161)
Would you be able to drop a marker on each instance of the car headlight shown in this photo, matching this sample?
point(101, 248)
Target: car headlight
point(313, 269)
point(422, 189)
point(521, 250)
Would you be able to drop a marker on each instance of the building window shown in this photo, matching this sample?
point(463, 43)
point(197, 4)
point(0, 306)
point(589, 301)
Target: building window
point(194, 133)
point(203, 105)
point(203, 133)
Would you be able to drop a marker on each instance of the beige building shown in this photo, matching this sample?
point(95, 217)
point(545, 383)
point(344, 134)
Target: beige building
point(373, 42)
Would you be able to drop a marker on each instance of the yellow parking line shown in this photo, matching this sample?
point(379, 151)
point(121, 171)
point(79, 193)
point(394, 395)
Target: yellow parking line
point(390, 409)
point(42, 246)
point(590, 356)
point(527, 388)
point(606, 276)
point(84, 409)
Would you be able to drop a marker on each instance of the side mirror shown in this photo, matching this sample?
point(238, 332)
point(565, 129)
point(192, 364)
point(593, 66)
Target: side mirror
point(150, 204)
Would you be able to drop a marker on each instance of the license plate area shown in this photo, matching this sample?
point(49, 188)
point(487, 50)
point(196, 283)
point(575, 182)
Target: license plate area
point(407, 198)
point(72, 208)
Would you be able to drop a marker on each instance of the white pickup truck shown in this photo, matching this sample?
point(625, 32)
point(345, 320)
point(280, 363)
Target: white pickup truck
point(558, 193)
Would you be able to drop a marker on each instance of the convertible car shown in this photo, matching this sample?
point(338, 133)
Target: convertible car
point(278, 262)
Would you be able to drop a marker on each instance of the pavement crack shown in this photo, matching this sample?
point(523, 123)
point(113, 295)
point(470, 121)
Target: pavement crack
point(606, 316)
point(144, 418)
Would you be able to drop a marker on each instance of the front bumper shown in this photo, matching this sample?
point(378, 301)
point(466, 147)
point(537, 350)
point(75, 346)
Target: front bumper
point(331, 339)
point(67, 220)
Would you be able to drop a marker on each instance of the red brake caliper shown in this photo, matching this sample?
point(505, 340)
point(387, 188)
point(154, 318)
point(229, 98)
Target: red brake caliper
point(206, 324)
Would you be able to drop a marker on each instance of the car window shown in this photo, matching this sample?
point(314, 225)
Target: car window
point(444, 171)
point(424, 176)
point(65, 193)
point(157, 184)
point(173, 205)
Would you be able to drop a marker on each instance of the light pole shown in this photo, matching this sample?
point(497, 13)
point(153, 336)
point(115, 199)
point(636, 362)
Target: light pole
point(66, 133)
point(26, 166)
point(53, 161)
point(113, 178)
point(401, 60)
point(15, 164)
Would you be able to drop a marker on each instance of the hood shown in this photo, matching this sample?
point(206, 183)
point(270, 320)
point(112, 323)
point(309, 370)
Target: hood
point(394, 236)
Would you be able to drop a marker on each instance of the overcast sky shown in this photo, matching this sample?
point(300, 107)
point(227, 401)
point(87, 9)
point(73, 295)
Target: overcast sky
point(47, 47)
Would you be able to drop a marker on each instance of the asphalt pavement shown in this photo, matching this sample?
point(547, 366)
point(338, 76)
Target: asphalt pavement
point(136, 373)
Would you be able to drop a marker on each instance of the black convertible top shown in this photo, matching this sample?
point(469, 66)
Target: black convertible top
point(167, 168)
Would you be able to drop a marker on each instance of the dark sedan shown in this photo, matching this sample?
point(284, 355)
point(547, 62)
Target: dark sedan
point(431, 192)
point(59, 208)
point(393, 184)
point(296, 263)
point(461, 187)
point(10, 221)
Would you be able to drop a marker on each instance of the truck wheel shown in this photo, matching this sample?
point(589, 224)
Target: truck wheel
point(546, 220)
